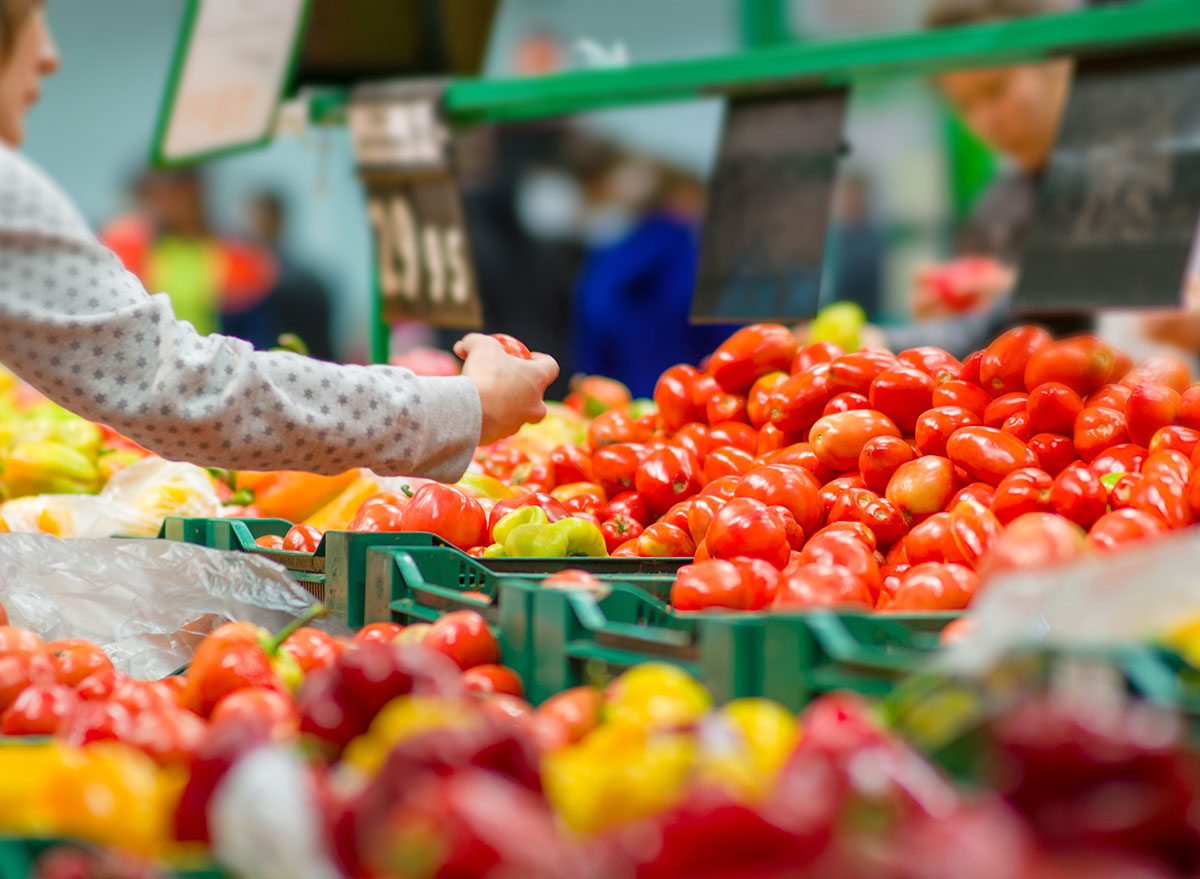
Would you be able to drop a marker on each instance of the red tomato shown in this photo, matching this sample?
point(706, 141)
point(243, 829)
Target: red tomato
point(977, 492)
point(667, 477)
point(726, 407)
point(934, 362)
point(1176, 438)
point(880, 458)
point(733, 433)
point(140, 696)
point(787, 486)
point(796, 404)
point(934, 586)
point(963, 395)
point(1054, 452)
point(802, 455)
point(19, 671)
point(1082, 363)
point(1168, 464)
point(902, 394)
point(931, 541)
point(615, 467)
point(759, 400)
point(845, 402)
point(1120, 493)
point(1097, 429)
point(678, 514)
point(1079, 495)
point(1053, 407)
point(613, 426)
point(1164, 369)
point(695, 438)
point(17, 641)
point(673, 395)
point(881, 516)
point(270, 711)
point(582, 497)
point(922, 487)
point(832, 490)
point(74, 660)
point(970, 370)
point(771, 438)
point(382, 633)
point(463, 635)
point(554, 509)
point(751, 353)
point(837, 440)
point(814, 353)
point(937, 425)
point(1150, 406)
point(302, 538)
point(512, 346)
point(988, 454)
point(723, 488)
point(491, 678)
point(821, 585)
point(714, 583)
point(999, 410)
point(570, 464)
point(1193, 494)
point(96, 721)
point(1115, 529)
point(1166, 498)
point(855, 372)
point(1018, 425)
point(726, 461)
point(94, 687)
point(448, 513)
point(845, 530)
point(269, 541)
point(1023, 491)
point(1122, 458)
point(618, 530)
point(1189, 407)
point(845, 550)
point(762, 578)
point(170, 737)
point(700, 515)
point(1003, 365)
point(747, 527)
point(1110, 397)
point(311, 649)
point(974, 529)
point(503, 462)
point(38, 710)
point(662, 540)
point(1035, 540)
point(631, 505)
point(377, 518)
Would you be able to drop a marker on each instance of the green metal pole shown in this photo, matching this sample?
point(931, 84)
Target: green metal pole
point(764, 23)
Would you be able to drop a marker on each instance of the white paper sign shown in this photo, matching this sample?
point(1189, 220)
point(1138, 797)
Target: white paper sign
point(233, 74)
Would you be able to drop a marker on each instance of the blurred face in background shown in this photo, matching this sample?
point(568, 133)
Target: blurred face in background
point(1014, 110)
point(27, 55)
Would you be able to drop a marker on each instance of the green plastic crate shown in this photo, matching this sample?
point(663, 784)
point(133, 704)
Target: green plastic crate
point(19, 855)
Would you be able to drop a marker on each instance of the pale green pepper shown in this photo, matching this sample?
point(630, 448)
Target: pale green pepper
point(583, 538)
point(527, 515)
point(536, 541)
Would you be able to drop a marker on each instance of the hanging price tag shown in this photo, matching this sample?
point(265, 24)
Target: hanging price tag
point(1117, 211)
point(768, 211)
point(422, 253)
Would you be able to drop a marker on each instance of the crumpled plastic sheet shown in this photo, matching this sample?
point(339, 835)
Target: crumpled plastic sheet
point(1132, 596)
point(148, 603)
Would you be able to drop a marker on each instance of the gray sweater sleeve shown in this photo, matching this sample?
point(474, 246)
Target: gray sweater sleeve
point(83, 331)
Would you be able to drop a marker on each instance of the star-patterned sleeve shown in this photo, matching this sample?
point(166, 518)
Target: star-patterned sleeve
point(83, 331)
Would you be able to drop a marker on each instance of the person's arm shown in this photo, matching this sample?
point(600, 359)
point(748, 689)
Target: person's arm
point(83, 331)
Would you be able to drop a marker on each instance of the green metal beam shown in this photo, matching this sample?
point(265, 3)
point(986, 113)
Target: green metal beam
point(1112, 30)
point(764, 23)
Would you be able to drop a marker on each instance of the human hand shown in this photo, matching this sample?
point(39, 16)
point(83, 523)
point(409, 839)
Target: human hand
point(511, 390)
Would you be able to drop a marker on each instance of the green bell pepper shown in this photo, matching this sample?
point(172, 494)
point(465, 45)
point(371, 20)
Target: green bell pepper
point(529, 515)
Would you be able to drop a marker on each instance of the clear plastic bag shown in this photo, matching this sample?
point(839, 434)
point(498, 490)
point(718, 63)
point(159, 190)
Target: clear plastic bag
point(148, 603)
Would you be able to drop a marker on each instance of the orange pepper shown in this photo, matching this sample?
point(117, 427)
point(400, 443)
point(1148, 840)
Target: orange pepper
point(295, 496)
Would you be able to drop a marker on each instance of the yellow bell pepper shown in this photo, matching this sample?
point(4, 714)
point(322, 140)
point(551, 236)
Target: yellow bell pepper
point(46, 467)
point(339, 512)
point(404, 718)
point(656, 695)
point(761, 736)
point(73, 432)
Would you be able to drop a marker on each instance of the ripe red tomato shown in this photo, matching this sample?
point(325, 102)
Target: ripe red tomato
point(1164, 369)
point(512, 346)
point(723, 488)
point(1097, 429)
point(934, 586)
point(979, 493)
point(880, 458)
point(1120, 493)
point(1079, 495)
point(988, 454)
point(843, 549)
point(269, 541)
point(821, 585)
point(1033, 541)
point(464, 636)
point(1166, 498)
point(881, 516)
point(382, 633)
point(814, 353)
point(619, 529)
point(1122, 458)
point(855, 372)
point(1054, 452)
point(1023, 491)
point(902, 394)
point(771, 438)
point(311, 648)
point(1082, 363)
point(747, 527)
point(845, 402)
point(663, 540)
point(922, 487)
point(700, 515)
point(570, 464)
point(931, 541)
point(38, 710)
point(1176, 438)
point(937, 425)
point(267, 710)
point(963, 395)
point(74, 660)
point(667, 477)
point(631, 505)
point(448, 513)
point(716, 583)
point(934, 362)
point(1053, 407)
point(733, 433)
point(751, 353)
point(802, 455)
point(974, 530)
point(796, 404)
point(1110, 397)
point(832, 490)
point(788, 486)
point(1168, 464)
point(1018, 425)
point(302, 538)
point(696, 439)
point(581, 497)
point(1150, 406)
point(1000, 409)
point(491, 678)
point(1003, 365)
point(1115, 529)
point(615, 466)
point(726, 407)
point(726, 461)
point(837, 440)
point(170, 737)
point(378, 518)
point(1189, 407)
point(758, 401)
point(502, 461)
point(19, 671)
point(96, 721)
point(613, 426)
point(673, 395)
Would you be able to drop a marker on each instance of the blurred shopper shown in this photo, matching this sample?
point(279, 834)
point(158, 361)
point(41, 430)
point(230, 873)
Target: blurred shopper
point(298, 302)
point(857, 244)
point(215, 282)
point(634, 296)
